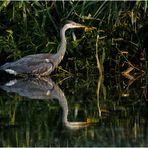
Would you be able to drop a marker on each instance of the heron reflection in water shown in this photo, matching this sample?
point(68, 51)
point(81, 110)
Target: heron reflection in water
point(41, 64)
point(45, 88)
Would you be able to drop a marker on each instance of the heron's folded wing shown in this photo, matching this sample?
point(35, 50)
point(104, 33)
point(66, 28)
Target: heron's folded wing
point(33, 64)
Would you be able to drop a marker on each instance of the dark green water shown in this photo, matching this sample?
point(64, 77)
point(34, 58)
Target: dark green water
point(31, 112)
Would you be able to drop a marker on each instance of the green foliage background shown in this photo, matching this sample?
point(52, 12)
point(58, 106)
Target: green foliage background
point(30, 27)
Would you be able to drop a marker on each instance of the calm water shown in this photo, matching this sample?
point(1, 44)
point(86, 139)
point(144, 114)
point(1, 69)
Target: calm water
point(67, 112)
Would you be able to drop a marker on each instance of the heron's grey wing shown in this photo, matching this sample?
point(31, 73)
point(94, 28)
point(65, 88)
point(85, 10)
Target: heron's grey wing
point(38, 66)
point(19, 64)
point(42, 69)
point(31, 64)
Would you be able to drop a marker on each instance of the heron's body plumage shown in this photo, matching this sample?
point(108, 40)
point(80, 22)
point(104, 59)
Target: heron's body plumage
point(36, 64)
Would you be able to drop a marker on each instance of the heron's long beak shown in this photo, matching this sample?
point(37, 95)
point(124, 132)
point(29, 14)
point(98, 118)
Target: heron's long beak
point(88, 28)
point(82, 26)
point(79, 26)
point(85, 27)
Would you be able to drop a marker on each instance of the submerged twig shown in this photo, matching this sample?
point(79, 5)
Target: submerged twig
point(100, 76)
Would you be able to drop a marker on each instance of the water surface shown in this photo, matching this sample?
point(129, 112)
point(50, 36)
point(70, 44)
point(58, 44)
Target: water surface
point(67, 112)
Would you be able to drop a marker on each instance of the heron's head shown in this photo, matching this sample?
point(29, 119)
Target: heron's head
point(71, 24)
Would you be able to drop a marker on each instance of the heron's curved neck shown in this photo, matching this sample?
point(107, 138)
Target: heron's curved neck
point(61, 52)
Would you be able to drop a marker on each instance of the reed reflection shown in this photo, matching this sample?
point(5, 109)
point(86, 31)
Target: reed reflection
point(45, 89)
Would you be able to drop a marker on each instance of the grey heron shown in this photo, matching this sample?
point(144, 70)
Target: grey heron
point(41, 64)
